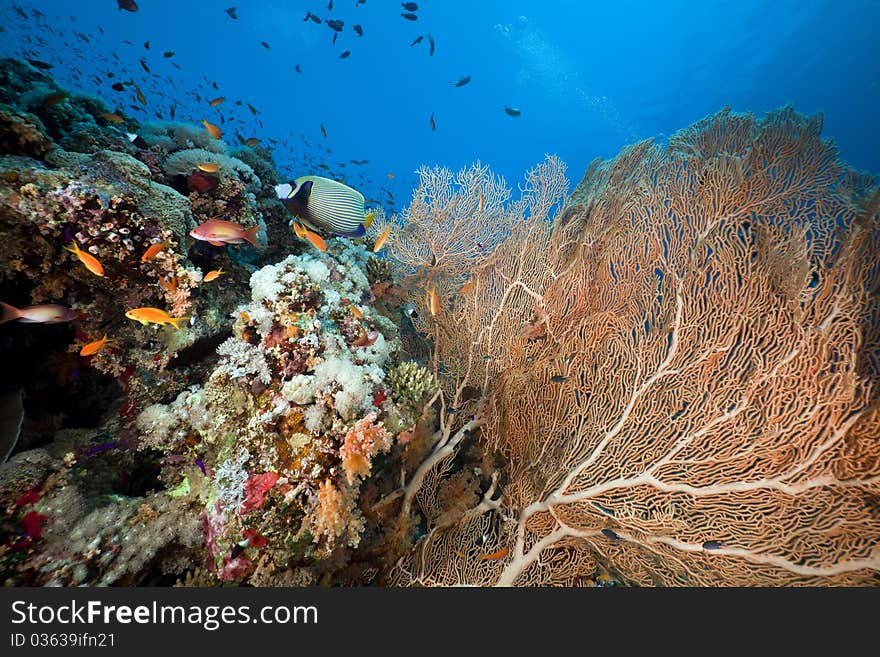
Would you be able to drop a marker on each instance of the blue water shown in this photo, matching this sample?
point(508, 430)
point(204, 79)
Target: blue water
point(589, 77)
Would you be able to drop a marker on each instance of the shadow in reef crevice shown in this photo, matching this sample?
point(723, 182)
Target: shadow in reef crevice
point(59, 390)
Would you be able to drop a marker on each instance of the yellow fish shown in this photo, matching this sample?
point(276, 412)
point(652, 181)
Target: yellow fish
point(368, 219)
point(217, 101)
point(209, 167)
point(155, 316)
point(90, 261)
point(94, 347)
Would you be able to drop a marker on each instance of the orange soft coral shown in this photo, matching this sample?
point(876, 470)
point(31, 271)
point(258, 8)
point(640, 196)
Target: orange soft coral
point(362, 442)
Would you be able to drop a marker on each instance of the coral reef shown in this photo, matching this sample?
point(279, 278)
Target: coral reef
point(277, 443)
point(668, 377)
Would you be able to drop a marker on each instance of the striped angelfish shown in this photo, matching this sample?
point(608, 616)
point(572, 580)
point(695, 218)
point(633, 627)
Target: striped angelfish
point(324, 204)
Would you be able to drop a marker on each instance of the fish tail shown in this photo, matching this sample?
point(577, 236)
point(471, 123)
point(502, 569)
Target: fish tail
point(8, 313)
point(250, 235)
point(178, 322)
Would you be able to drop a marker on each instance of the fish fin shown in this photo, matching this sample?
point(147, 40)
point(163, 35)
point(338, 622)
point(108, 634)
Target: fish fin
point(175, 321)
point(217, 243)
point(250, 235)
point(359, 232)
point(8, 313)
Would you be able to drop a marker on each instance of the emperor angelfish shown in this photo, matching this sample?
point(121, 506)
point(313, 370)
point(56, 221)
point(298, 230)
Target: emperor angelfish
point(324, 204)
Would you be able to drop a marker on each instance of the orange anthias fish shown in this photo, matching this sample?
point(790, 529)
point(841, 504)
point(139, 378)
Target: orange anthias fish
point(433, 302)
point(209, 167)
point(382, 238)
point(212, 129)
point(356, 312)
point(44, 313)
point(153, 251)
point(217, 101)
point(313, 238)
point(219, 233)
point(467, 286)
point(139, 93)
point(90, 261)
point(155, 316)
point(94, 347)
point(499, 554)
point(253, 141)
point(113, 118)
point(213, 274)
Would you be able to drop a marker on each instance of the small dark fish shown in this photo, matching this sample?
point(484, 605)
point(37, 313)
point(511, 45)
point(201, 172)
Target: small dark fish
point(298, 68)
point(512, 111)
point(712, 545)
point(323, 131)
point(418, 40)
point(147, 45)
point(311, 17)
point(558, 378)
point(345, 55)
point(128, 5)
point(237, 549)
point(330, 6)
point(36, 63)
point(359, 30)
point(102, 448)
point(360, 2)
point(335, 36)
point(462, 82)
point(265, 45)
point(610, 534)
point(603, 509)
point(172, 111)
point(252, 109)
point(117, 86)
point(433, 123)
point(335, 24)
point(201, 465)
point(410, 17)
point(431, 45)
point(409, 6)
point(144, 65)
point(231, 13)
point(168, 54)
point(55, 98)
